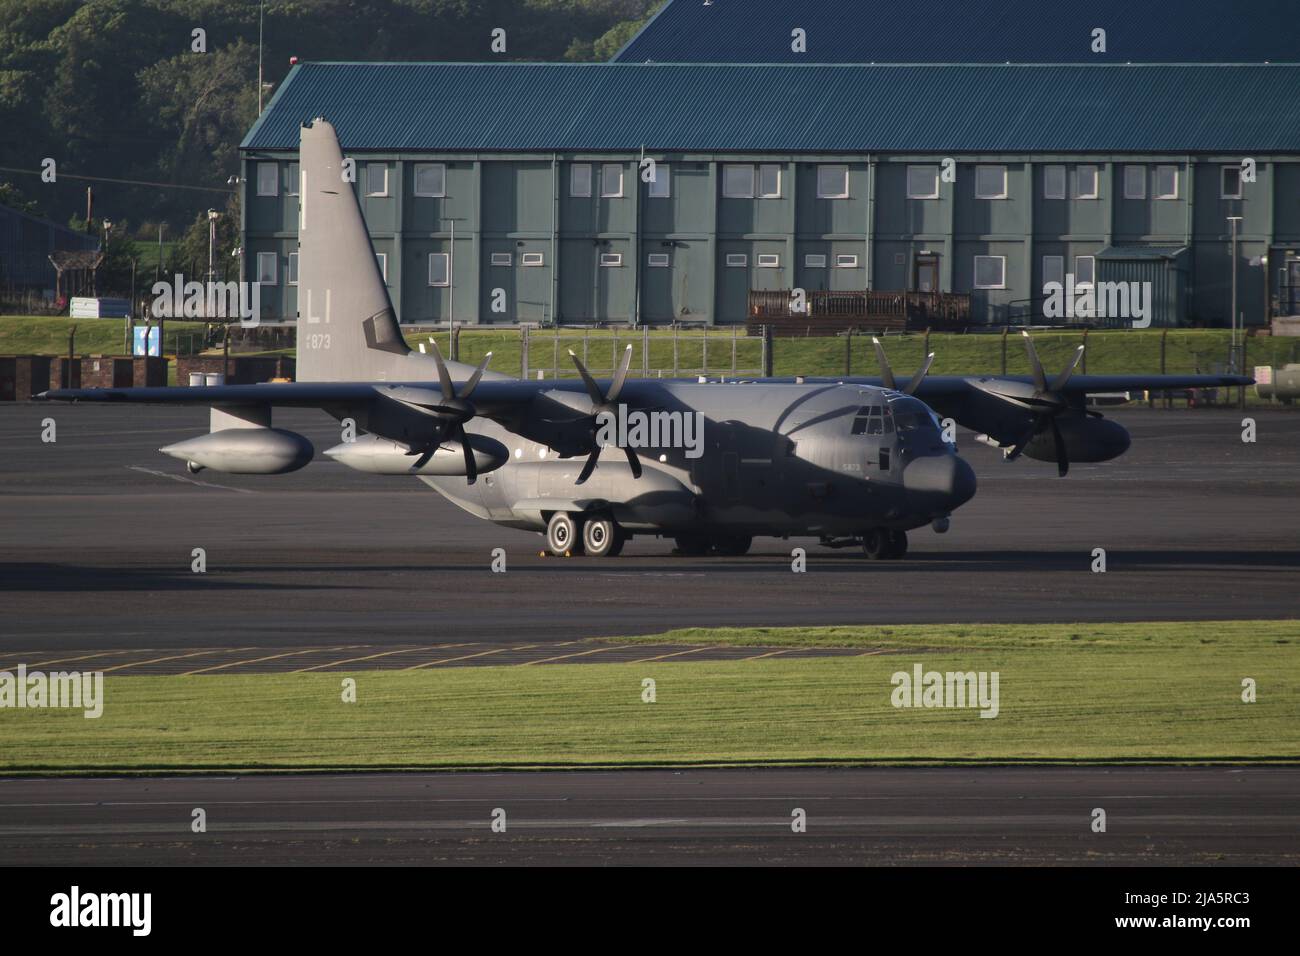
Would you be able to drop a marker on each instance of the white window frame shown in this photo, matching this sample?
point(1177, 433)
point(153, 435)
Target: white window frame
point(532, 260)
point(1060, 270)
point(661, 187)
point(1002, 263)
point(575, 190)
point(846, 260)
point(606, 169)
point(381, 260)
point(822, 192)
point(814, 260)
point(758, 181)
point(415, 178)
point(728, 190)
point(920, 167)
point(1064, 173)
point(291, 271)
point(268, 185)
point(984, 168)
point(291, 179)
point(501, 259)
point(274, 271)
point(768, 260)
point(446, 269)
point(1096, 181)
point(657, 260)
point(1135, 188)
point(611, 260)
point(1223, 186)
point(737, 260)
point(370, 168)
point(1092, 271)
point(1156, 185)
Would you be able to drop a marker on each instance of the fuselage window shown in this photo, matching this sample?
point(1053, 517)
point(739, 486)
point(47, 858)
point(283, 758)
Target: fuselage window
point(869, 421)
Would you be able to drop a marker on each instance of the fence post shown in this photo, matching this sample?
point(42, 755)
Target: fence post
point(925, 344)
point(704, 353)
point(1083, 367)
point(1005, 329)
point(848, 352)
point(523, 351)
point(675, 361)
point(1241, 391)
point(455, 342)
point(1164, 337)
point(734, 330)
point(767, 351)
point(645, 351)
point(555, 354)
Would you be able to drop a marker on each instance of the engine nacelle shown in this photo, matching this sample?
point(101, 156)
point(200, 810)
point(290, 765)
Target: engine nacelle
point(1086, 439)
point(379, 456)
point(244, 451)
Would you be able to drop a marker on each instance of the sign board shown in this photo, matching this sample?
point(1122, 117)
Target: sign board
point(138, 345)
point(88, 308)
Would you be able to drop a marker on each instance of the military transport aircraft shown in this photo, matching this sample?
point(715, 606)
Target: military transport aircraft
point(854, 462)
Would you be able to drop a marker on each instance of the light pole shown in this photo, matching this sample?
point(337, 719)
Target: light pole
point(451, 274)
point(1235, 220)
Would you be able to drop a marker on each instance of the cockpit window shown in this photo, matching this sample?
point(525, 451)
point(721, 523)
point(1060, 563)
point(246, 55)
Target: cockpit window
point(872, 420)
point(912, 416)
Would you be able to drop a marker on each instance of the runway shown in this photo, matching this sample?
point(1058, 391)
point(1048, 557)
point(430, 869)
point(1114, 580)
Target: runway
point(1159, 816)
point(98, 532)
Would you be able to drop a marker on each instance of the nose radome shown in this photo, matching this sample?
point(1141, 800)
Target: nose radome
point(945, 481)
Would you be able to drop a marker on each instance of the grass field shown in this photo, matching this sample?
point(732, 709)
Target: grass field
point(1068, 693)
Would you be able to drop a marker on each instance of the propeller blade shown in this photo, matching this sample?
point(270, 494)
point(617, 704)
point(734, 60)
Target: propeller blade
point(886, 373)
point(588, 467)
point(1035, 366)
point(1062, 457)
point(616, 387)
point(634, 461)
point(473, 379)
point(1024, 440)
point(471, 466)
point(444, 377)
point(597, 398)
point(424, 457)
point(920, 375)
point(1068, 370)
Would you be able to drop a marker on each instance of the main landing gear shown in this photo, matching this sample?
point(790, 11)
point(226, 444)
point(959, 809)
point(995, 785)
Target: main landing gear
point(698, 545)
point(884, 544)
point(595, 536)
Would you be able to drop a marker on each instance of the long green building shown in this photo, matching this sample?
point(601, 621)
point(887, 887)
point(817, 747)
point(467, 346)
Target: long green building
point(644, 193)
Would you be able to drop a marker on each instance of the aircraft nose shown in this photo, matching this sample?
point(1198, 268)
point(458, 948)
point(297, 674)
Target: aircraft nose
point(940, 482)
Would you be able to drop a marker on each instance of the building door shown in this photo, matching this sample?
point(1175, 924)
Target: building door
point(925, 277)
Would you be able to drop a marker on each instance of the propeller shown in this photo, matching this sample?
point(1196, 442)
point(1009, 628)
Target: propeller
point(605, 403)
point(1045, 404)
point(887, 373)
point(454, 409)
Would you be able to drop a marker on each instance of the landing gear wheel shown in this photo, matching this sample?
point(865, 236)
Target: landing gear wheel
point(602, 538)
point(897, 544)
point(563, 535)
point(875, 544)
point(691, 545)
point(732, 545)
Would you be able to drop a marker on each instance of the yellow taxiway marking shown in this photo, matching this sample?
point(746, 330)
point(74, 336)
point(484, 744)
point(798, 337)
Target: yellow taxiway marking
point(465, 657)
point(269, 657)
point(594, 650)
point(878, 650)
point(757, 657)
point(177, 657)
point(371, 657)
point(84, 657)
point(693, 650)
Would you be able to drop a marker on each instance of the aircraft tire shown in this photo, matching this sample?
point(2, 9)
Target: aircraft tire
point(563, 534)
point(876, 544)
point(733, 546)
point(897, 544)
point(691, 545)
point(602, 538)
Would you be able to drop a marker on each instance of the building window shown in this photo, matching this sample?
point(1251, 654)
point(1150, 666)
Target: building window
point(769, 261)
point(1135, 182)
point(580, 180)
point(533, 259)
point(814, 260)
point(431, 180)
point(292, 277)
point(657, 260)
point(611, 260)
point(266, 268)
point(611, 181)
point(990, 272)
point(1053, 182)
point(439, 269)
point(737, 260)
point(1085, 182)
point(660, 187)
point(268, 179)
point(381, 259)
point(1231, 183)
point(922, 182)
point(291, 179)
point(1054, 269)
point(376, 179)
point(738, 181)
point(1085, 270)
point(832, 182)
point(990, 182)
point(769, 181)
point(1166, 182)
point(846, 262)
point(501, 259)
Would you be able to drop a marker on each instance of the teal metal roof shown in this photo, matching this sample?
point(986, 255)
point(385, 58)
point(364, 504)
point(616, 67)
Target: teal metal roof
point(534, 107)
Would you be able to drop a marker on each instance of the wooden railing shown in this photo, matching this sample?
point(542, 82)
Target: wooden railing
point(832, 313)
